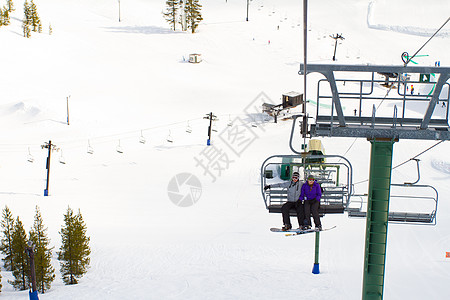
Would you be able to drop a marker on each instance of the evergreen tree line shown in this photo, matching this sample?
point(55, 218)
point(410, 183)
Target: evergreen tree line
point(73, 255)
point(189, 18)
point(31, 21)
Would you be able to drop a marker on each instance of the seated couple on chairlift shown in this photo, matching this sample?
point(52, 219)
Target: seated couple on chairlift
point(305, 199)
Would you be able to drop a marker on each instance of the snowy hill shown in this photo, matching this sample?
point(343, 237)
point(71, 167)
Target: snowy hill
point(130, 80)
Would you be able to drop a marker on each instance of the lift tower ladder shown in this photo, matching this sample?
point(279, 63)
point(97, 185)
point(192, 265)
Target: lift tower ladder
point(382, 132)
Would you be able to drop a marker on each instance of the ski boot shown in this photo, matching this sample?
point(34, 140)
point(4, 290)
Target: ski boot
point(306, 227)
point(286, 227)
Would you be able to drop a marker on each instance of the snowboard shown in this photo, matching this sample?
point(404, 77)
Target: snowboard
point(297, 231)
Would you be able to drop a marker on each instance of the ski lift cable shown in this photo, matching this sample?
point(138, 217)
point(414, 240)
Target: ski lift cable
point(412, 158)
point(349, 148)
point(80, 143)
point(410, 58)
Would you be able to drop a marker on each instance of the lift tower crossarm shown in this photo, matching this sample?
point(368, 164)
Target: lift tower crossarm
point(346, 124)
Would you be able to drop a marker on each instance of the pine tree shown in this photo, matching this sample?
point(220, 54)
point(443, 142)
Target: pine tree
point(7, 225)
point(74, 254)
point(10, 5)
point(4, 16)
point(171, 12)
point(21, 268)
point(193, 14)
point(35, 21)
point(26, 20)
point(45, 273)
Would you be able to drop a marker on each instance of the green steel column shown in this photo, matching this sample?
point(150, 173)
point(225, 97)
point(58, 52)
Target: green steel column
point(316, 269)
point(377, 219)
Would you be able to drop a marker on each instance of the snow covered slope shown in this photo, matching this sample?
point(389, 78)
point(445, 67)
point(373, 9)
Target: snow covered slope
point(128, 79)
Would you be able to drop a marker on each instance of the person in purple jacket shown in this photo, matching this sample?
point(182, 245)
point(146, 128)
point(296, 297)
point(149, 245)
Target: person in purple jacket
point(310, 194)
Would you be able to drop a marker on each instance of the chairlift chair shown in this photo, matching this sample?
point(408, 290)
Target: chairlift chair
point(169, 138)
point(90, 150)
point(119, 148)
point(253, 124)
point(336, 193)
point(188, 128)
point(30, 157)
point(142, 139)
point(230, 123)
point(62, 160)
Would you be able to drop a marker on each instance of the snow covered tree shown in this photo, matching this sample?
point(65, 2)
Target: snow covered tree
point(10, 5)
point(35, 21)
point(26, 20)
point(171, 12)
point(31, 20)
point(4, 16)
point(21, 270)
point(26, 30)
point(75, 251)
point(45, 273)
point(193, 15)
point(7, 225)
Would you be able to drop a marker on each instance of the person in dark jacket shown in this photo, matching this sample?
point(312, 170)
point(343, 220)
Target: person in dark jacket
point(310, 194)
point(293, 194)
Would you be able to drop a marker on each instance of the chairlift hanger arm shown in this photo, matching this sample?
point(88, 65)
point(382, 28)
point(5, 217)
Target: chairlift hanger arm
point(418, 173)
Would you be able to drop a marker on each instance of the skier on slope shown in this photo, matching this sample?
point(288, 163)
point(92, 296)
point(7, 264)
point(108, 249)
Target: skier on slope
point(293, 194)
point(310, 194)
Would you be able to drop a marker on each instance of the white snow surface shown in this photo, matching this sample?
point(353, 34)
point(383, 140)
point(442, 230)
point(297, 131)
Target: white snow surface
point(129, 78)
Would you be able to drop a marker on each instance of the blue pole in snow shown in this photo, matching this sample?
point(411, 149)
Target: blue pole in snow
point(34, 295)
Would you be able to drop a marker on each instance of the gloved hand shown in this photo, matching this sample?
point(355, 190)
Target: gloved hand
point(266, 187)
